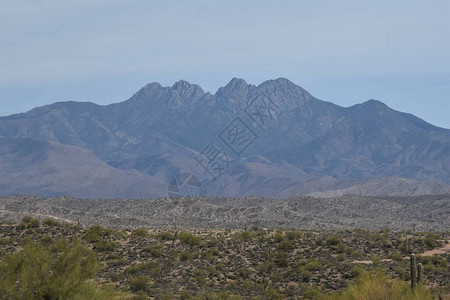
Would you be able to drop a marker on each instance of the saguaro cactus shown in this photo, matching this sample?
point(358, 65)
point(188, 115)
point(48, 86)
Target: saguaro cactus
point(419, 273)
point(413, 271)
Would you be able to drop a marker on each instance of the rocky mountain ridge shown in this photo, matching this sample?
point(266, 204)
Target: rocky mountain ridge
point(299, 144)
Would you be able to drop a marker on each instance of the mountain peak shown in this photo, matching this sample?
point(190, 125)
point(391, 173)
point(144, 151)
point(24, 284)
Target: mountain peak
point(237, 82)
point(234, 92)
point(372, 105)
point(186, 89)
point(280, 83)
point(288, 94)
point(373, 102)
point(236, 85)
point(182, 86)
point(149, 91)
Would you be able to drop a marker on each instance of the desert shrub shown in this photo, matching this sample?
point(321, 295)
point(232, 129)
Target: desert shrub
point(244, 272)
point(22, 225)
point(165, 236)
point(357, 254)
point(282, 259)
point(40, 273)
point(150, 269)
point(273, 294)
point(185, 295)
point(376, 260)
point(47, 239)
point(27, 219)
point(155, 250)
point(185, 255)
point(313, 265)
point(104, 246)
point(396, 256)
point(377, 286)
point(402, 272)
point(304, 274)
point(139, 233)
point(94, 234)
point(278, 237)
point(189, 238)
point(52, 222)
point(165, 295)
point(431, 240)
point(333, 240)
point(139, 283)
point(292, 234)
point(434, 264)
point(244, 235)
point(265, 267)
point(285, 245)
point(34, 223)
point(340, 257)
point(6, 241)
point(312, 294)
point(28, 222)
point(356, 271)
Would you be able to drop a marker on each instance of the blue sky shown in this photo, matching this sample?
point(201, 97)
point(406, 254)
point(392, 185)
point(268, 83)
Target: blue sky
point(345, 52)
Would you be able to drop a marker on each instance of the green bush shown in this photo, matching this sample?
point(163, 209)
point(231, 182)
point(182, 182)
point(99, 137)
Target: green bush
point(94, 234)
point(104, 246)
point(28, 222)
point(39, 273)
point(150, 269)
point(305, 275)
point(396, 256)
point(139, 284)
point(185, 255)
point(431, 241)
point(313, 265)
point(285, 245)
point(292, 235)
point(155, 250)
point(244, 272)
point(377, 286)
point(333, 240)
point(357, 254)
point(47, 240)
point(189, 238)
point(139, 233)
point(282, 259)
point(22, 225)
point(273, 294)
point(165, 236)
point(52, 222)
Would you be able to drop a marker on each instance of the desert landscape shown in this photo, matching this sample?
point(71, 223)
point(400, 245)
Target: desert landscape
point(224, 150)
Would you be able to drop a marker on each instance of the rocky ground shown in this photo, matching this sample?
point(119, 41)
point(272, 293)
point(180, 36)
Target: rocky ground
point(422, 213)
point(249, 264)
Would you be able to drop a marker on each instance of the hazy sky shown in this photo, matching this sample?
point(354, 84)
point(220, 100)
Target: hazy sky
point(345, 52)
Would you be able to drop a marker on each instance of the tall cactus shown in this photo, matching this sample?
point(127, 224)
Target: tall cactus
point(419, 273)
point(413, 271)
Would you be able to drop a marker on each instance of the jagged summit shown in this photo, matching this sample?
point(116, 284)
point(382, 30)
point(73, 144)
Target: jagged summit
point(186, 89)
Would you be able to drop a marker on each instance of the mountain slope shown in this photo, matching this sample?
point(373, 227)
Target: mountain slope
point(45, 168)
point(322, 146)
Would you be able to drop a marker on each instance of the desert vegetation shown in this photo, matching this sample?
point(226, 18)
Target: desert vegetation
point(50, 259)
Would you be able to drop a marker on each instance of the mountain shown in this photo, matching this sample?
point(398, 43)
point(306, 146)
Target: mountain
point(387, 186)
point(45, 168)
point(278, 141)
